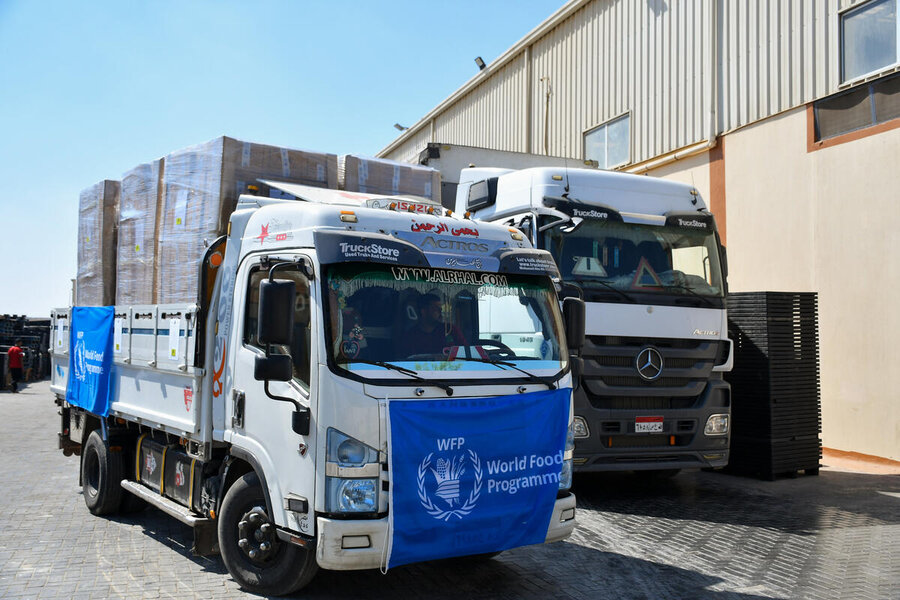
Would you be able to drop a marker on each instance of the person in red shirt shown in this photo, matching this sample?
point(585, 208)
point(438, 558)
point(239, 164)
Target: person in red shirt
point(430, 335)
point(15, 354)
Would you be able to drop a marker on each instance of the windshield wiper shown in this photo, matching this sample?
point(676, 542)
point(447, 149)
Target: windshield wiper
point(503, 363)
point(611, 287)
point(403, 370)
point(693, 293)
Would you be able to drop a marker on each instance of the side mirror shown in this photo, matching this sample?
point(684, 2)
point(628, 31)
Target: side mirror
point(276, 311)
point(577, 370)
point(276, 367)
point(573, 314)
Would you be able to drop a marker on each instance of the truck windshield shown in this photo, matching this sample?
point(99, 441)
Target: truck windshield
point(637, 258)
point(447, 322)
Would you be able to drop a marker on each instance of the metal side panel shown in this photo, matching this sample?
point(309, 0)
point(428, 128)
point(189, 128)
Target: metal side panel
point(163, 400)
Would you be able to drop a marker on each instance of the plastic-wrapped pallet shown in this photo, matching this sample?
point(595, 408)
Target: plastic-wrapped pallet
point(139, 207)
point(201, 185)
point(96, 276)
point(380, 176)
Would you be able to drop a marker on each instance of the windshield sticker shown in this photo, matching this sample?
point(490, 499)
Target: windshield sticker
point(590, 214)
point(431, 242)
point(404, 205)
point(692, 223)
point(464, 262)
point(439, 228)
point(540, 264)
point(275, 231)
point(372, 250)
point(446, 276)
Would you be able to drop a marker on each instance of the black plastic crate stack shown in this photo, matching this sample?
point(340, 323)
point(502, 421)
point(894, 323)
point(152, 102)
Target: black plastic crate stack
point(776, 409)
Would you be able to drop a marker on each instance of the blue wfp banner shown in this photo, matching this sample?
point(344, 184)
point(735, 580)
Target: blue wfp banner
point(472, 476)
point(90, 358)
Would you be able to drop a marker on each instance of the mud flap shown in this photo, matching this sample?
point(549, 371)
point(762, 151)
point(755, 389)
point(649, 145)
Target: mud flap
point(206, 539)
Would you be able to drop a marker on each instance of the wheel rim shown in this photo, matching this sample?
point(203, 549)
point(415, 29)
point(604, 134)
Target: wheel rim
point(92, 473)
point(257, 539)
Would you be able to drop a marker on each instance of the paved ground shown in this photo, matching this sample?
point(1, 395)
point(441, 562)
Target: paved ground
point(699, 535)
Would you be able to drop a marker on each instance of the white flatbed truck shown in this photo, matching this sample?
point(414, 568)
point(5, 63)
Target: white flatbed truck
point(262, 415)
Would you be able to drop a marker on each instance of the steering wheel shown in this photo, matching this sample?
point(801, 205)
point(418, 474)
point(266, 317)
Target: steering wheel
point(503, 351)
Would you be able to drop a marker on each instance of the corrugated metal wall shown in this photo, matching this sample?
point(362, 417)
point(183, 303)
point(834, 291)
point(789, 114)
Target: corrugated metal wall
point(492, 115)
point(642, 57)
point(654, 60)
point(775, 55)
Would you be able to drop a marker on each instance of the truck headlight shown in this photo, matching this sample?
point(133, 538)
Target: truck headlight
point(351, 495)
point(581, 429)
point(344, 457)
point(346, 451)
point(716, 425)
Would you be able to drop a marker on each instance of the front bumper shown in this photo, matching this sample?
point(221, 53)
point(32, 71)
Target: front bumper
point(613, 444)
point(336, 537)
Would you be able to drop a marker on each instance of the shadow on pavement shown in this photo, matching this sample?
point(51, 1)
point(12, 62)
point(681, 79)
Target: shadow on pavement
point(562, 570)
point(802, 505)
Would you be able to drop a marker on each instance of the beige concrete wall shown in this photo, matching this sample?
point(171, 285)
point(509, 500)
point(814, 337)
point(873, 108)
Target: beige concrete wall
point(827, 221)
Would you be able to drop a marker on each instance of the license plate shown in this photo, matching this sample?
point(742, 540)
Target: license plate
point(648, 424)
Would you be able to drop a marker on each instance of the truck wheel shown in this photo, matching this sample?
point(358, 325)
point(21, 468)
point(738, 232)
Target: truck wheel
point(250, 548)
point(101, 476)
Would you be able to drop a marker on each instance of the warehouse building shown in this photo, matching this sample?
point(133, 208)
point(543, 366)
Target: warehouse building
point(785, 114)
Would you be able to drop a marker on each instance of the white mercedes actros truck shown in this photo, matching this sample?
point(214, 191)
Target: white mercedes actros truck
point(645, 256)
point(339, 396)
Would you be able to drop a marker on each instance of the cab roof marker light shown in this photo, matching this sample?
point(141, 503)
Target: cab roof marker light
point(556, 177)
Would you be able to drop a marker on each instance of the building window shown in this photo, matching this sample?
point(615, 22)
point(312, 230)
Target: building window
point(869, 36)
point(865, 106)
point(610, 143)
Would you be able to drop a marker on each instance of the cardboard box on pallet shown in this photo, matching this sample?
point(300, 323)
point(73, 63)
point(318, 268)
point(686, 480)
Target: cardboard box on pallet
point(381, 176)
point(97, 225)
point(201, 186)
point(139, 207)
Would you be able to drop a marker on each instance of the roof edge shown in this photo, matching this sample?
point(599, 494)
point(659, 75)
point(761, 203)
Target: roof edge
point(538, 32)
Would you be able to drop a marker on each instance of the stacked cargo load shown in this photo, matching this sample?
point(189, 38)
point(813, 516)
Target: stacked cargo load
point(380, 176)
point(200, 189)
point(97, 225)
point(138, 222)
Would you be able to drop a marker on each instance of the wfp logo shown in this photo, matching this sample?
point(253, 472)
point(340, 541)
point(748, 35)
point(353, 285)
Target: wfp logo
point(446, 482)
point(79, 364)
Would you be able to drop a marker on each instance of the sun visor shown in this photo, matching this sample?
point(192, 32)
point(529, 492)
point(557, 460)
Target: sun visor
point(577, 209)
point(348, 246)
point(693, 221)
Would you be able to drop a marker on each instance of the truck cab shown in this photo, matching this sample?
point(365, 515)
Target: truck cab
point(645, 256)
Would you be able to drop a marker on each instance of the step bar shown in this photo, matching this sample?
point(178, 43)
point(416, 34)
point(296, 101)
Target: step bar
point(205, 534)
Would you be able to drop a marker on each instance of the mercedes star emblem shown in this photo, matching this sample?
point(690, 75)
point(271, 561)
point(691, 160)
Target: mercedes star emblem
point(649, 363)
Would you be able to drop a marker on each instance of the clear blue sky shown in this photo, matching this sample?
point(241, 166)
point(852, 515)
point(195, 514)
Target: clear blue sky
point(91, 89)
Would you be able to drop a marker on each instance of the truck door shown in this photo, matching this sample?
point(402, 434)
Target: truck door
point(260, 426)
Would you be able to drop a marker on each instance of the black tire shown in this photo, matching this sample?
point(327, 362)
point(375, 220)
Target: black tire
point(101, 476)
point(279, 569)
